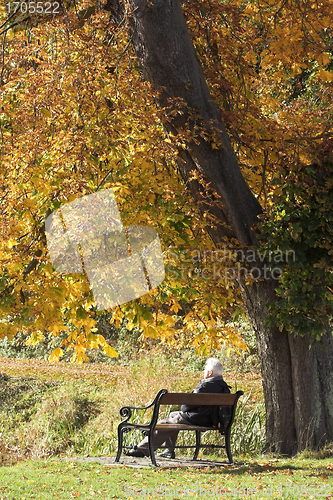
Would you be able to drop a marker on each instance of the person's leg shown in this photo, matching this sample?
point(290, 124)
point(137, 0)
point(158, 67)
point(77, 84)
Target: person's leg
point(167, 437)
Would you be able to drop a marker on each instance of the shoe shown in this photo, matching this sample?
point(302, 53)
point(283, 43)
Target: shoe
point(167, 454)
point(134, 452)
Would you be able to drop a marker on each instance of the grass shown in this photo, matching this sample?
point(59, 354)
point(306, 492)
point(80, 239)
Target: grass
point(263, 478)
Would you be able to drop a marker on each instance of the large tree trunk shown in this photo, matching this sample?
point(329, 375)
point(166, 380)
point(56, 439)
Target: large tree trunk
point(297, 381)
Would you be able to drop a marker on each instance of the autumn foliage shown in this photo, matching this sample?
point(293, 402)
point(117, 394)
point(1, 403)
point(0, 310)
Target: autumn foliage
point(77, 117)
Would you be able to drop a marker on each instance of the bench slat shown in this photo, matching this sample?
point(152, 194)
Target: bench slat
point(183, 427)
point(180, 398)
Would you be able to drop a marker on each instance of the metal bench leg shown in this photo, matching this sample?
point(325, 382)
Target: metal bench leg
point(151, 448)
point(227, 445)
point(120, 442)
point(197, 444)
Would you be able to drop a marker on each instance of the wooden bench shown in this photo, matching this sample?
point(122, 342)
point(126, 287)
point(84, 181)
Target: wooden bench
point(164, 397)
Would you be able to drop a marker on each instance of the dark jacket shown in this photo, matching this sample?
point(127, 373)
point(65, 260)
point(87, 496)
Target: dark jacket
point(205, 415)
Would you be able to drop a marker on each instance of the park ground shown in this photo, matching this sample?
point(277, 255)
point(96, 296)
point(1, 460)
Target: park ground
point(54, 414)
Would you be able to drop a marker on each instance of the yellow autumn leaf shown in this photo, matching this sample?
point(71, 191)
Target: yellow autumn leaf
point(175, 307)
point(56, 354)
point(35, 338)
point(11, 242)
point(46, 112)
point(110, 351)
point(3, 330)
point(151, 332)
point(251, 57)
point(29, 203)
point(10, 34)
point(325, 76)
point(324, 59)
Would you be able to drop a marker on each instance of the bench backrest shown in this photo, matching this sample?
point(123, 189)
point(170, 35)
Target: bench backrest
point(205, 399)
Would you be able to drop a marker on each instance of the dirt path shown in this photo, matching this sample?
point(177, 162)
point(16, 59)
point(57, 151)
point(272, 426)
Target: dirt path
point(163, 463)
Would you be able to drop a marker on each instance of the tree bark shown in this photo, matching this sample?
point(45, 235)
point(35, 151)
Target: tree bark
point(168, 60)
point(297, 381)
point(276, 370)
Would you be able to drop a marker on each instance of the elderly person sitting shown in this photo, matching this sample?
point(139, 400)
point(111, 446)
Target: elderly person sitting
point(200, 415)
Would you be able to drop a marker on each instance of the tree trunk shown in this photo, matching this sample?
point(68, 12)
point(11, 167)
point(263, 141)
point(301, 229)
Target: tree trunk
point(312, 372)
point(276, 370)
point(168, 60)
point(297, 382)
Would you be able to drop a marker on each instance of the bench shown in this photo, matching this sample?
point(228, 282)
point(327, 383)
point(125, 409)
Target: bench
point(164, 397)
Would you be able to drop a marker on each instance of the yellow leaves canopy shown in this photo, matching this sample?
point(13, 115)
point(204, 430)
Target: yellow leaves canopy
point(76, 118)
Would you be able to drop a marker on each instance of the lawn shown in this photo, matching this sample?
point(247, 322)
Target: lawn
point(254, 478)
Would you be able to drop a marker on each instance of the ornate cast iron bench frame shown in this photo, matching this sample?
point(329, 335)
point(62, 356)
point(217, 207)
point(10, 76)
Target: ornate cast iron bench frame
point(164, 397)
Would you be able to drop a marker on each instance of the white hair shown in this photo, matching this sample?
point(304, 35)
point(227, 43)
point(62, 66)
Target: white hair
point(214, 365)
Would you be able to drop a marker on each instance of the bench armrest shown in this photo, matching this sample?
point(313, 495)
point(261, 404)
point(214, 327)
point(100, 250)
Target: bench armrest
point(126, 411)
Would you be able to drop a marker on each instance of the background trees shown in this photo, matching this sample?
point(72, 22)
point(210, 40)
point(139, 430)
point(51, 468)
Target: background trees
point(79, 113)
